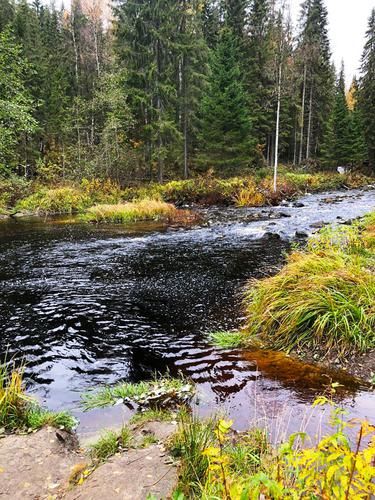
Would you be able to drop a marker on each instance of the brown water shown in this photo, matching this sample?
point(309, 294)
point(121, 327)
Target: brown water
point(89, 305)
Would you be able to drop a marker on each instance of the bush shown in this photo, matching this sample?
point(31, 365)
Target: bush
point(12, 189)
point(62, 200)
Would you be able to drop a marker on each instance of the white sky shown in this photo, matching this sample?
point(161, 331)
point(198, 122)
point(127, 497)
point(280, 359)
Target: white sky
point(347, 27)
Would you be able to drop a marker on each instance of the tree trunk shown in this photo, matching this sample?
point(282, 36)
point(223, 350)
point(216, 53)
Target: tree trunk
point(309, 124)
point(276, 164)
point(302, 114)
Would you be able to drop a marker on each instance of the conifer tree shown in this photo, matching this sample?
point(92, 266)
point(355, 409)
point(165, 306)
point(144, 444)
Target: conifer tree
point(367, 89)
point(356, 140)
point(225, 130)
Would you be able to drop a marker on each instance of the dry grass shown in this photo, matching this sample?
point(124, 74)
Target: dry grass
point(121, 213)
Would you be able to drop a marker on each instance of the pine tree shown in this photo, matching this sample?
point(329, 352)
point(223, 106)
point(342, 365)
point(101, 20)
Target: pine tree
point(6, 13)
point(367, 89)
point(225, 131)
point(211, 22)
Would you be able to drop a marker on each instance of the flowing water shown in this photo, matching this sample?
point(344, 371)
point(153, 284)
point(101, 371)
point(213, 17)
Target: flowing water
point(89, 305)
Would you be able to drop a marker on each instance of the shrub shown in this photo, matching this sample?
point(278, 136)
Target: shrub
point(101, 191)
point(131, 212)
point(12, 189)
point(63, 200)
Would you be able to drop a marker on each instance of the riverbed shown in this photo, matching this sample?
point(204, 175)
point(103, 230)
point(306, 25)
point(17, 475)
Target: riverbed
point(87, 305)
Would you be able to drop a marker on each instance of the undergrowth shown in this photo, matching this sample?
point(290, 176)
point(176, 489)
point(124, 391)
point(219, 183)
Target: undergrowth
point(251, 190)
point(219, 464)
point(323, 298)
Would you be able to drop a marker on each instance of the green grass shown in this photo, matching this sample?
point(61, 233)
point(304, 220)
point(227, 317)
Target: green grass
point(18, 411)
point(146, 209)
point(192, 438)
point(111, 443)
point(323, 298)
point(151, 393)
point(152, 415)
point(149, 440)
point(227, 339)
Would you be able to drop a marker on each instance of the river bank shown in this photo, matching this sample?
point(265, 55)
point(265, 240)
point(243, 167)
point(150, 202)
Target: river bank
point(88, 196)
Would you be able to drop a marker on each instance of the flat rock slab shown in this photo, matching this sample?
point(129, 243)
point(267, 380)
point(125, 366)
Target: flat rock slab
point(36, 465)
point(131, 476)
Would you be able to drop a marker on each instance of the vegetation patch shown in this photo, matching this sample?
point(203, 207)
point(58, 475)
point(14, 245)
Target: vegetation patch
point(61, 200)
point(131, 212)
point(153, 415)
point(157, 394)
point(18, 411)
point(323, 298)
point(111, 443)
point(228, 339)
point(217, 463)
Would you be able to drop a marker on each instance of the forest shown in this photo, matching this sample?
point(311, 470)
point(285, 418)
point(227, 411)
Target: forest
point(161, 90)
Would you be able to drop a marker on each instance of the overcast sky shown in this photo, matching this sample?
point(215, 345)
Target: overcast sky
point(347, 27)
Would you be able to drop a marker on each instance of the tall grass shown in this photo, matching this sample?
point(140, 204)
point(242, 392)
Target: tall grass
point(146, 209)
point(324, 297)
point(20, 411)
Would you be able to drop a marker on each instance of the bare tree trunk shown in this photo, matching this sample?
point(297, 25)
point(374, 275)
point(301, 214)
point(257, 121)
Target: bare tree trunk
point(276, 164)
point(302, 114)
point(96, 49)
point(295, 142)
point(309, 124)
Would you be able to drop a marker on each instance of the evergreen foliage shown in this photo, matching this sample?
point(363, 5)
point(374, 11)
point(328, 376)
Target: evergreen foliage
point(173, 87)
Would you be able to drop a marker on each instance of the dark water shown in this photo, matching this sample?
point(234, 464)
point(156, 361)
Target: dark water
point(87, 305)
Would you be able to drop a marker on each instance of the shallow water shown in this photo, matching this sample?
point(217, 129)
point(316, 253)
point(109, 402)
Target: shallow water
point(88, 305)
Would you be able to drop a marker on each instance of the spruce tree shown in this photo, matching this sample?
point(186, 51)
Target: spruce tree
point(356, 140)
point(367, 89)
point(341, 122)
point(316, 77)
point(225, 130)
point(259, 75)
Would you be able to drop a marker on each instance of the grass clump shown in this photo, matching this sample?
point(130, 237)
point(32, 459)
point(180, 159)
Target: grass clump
point(61, 200)
point(111, 443)
point(18, 411)
point(323, 298)
point(156, 394)
point(227, 339)
point(122, 213)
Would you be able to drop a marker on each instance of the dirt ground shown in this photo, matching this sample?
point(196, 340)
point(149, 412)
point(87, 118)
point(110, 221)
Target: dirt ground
point(40, 465)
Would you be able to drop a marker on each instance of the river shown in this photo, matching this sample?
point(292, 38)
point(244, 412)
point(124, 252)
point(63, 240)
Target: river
point(86, 305)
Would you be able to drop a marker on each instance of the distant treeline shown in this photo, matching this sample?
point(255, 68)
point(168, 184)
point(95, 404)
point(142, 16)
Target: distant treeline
point(168, 87)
